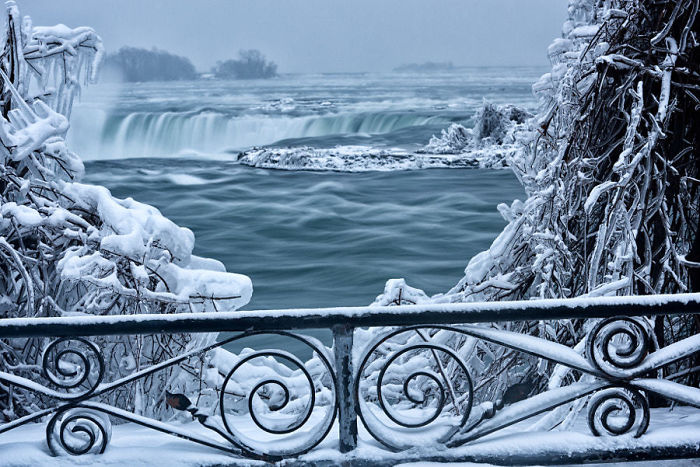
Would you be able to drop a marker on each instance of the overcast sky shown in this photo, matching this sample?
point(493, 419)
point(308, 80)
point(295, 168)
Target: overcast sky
point(321, 35)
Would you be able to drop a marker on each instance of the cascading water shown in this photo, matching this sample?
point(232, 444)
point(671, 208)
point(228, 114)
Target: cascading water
point(153, 134)
point(212, 118)
point(215, 118)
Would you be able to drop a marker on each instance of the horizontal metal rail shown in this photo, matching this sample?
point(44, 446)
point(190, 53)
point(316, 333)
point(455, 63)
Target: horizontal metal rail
point(367, 316)
point(346, 385)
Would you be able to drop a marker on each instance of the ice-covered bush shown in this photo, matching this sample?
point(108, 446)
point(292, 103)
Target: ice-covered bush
point(68, 248)
point(133, 64)
point(251, 64)
point(612, 176)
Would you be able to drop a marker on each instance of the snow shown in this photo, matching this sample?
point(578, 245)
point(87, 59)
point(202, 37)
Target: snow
point(670, 390)
point(342, 314)
point(137, 445)
point(527, 408)
point(579, 233)
point(29, 384)
point(140, 232)
point(586, 32)
point(596, 192)
point(140, 237)
point(365, 159)
point(534, 345)
point(96, 254)
point(29, 128)
point(25, 215)
point(497, 129)
point(670, 353)
point(559, 46)
point(490, 144)
point(455, 139)
point(130, 445)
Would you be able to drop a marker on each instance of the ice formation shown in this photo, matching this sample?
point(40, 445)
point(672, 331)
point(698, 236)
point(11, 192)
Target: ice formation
point(68, 248)
point(497, 128)
point(610, 172)
point(494, 140)
point(365, 158)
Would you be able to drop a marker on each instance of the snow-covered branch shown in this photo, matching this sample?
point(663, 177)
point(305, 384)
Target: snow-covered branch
point(68, 248)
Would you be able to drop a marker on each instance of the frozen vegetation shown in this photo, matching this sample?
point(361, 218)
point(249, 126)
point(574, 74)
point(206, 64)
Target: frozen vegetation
point(251, 64)
point(610, 168)
point(609, 165)
point(67, 248)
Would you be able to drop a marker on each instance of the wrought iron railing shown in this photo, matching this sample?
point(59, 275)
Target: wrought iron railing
point(409, 384)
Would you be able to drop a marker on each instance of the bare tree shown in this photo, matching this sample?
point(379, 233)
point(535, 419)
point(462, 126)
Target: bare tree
point(612, 175)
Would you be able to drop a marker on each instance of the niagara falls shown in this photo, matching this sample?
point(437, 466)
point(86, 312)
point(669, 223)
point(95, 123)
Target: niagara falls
point(362, 233)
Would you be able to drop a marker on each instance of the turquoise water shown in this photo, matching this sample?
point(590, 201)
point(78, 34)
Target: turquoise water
point(306, 239)
point(311, 239)
point(322, 239)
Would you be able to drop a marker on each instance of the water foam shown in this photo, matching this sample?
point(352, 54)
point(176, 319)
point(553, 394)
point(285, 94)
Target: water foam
point(159, 134)
point(185, 179)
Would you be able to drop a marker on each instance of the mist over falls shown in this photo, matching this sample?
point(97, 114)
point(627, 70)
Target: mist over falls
point(211, 118)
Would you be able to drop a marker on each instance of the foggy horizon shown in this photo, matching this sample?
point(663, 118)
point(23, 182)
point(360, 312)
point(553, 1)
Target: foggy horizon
point(322, 37)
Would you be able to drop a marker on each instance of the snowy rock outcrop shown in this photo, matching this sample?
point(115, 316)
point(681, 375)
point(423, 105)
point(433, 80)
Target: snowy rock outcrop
point(366, 159)
point(490, 144)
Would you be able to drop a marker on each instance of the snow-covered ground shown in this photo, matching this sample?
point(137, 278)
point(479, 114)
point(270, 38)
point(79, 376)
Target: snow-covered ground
point(136, 445)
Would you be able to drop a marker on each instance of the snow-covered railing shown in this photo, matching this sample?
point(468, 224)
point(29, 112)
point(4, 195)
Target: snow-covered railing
point(396, 369)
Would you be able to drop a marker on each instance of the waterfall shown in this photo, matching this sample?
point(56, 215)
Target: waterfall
point(97, 135)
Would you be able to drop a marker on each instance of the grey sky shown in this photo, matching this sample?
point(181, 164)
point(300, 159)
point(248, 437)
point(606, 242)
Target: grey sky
point(321, 35)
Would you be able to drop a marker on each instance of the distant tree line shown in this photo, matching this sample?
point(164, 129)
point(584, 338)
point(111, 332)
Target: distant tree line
point(251, 64)
point(426, 67)
point(134, 64)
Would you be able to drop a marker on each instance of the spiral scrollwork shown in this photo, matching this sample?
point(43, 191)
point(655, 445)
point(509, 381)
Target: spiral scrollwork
point(74, 365)
point(417, 394)
point(615, 346)
point(618, 411)
point(77, 431)
point(292, 408)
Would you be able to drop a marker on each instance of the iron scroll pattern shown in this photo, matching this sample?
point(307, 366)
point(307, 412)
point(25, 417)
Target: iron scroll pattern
point(79, 424)
point(410, 388)
point(417, 370)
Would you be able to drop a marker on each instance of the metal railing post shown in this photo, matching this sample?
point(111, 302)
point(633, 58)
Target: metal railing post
point(347, 413)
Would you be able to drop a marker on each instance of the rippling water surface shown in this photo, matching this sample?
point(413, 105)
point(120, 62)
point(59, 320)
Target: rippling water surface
point(322, 239)
point(306, 239)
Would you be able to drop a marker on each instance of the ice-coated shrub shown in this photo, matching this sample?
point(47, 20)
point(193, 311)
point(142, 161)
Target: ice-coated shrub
point(72, 249)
